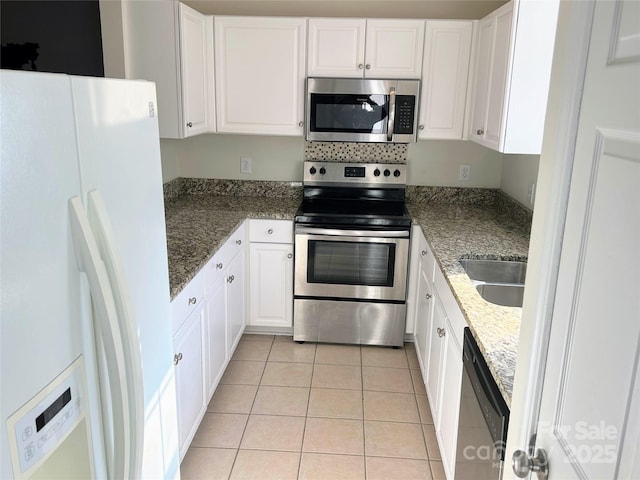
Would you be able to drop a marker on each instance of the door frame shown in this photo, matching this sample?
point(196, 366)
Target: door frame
point(554, 182)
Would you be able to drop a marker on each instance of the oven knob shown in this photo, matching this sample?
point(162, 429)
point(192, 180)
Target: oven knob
point(323, 170)
point(386, 172)
point(312, 170)
point(396, 173)
point(376, 172)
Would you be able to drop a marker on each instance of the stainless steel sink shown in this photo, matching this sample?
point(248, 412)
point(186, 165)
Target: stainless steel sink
point(495, 271)
point(497, 281)
point(508, 295)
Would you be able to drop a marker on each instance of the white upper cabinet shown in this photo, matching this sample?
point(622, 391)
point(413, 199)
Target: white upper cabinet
point(196, 67)
point(336, 47)
point(171, 44)
point(260, 72)
point(512, 72)
point(374, 48)
point(445, 75)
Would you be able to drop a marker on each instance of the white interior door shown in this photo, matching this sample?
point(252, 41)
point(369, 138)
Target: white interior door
point(589, 420)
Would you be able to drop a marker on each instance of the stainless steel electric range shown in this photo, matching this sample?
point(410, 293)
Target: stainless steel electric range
point(351, 254)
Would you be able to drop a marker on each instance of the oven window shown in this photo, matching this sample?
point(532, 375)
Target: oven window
point(348, 113)
point(351, 263)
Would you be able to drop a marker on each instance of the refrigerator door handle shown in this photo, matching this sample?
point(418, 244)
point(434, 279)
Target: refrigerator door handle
point(101, 227)
point(88, 261)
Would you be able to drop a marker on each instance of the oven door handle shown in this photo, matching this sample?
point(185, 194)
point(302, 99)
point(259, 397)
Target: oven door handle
point(353, 233)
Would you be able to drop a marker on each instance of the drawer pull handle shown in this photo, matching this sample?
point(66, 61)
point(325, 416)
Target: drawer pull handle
point(427, 296)
point(441, 332)
point(189, 124)
point(479, 131)
point(219, 266)
point(176, 358)
point(238, 242)
point(289, 255)
point(192, 300)
point(270, 231)
point(230, 279)
point(424, 252)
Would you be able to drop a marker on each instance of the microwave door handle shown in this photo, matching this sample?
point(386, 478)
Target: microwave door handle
point(392, 113)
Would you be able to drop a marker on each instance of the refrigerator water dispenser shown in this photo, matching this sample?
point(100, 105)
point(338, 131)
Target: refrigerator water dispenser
point(49, 436)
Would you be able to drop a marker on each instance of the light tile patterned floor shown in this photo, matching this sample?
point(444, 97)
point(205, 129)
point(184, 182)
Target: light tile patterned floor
point(285, 410)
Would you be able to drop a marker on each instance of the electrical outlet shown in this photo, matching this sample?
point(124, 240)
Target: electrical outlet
point(532, 193)
point(245, 165)
point(464, 173)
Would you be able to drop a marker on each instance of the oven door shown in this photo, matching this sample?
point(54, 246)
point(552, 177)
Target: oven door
point(351, 264)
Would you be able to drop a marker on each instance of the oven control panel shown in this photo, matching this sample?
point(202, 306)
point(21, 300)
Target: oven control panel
point(378, 174)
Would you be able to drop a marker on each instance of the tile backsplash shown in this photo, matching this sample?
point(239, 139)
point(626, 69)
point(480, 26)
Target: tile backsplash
point(356, 152)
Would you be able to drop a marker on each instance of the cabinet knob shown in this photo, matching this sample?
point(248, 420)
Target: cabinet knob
point(270, 231)
point(361, 66)
point(230, 279)
point(219, 266)
point(176, 358)
point(427, 296)
point(238, 242)
point(441, 332)
point(301, 124)
point(423, 252)
point(421, 127)
point(479, 131)
point(189, 124)
point(289, 255)
point(192, 300)
point(367, 66)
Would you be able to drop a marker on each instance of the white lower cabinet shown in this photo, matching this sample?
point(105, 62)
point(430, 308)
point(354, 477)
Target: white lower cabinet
point(235, 300)
point(271, 284)
point(216, 337)
point(270, 274)
point(439, 326)
point(189, 372)
point(214, 302)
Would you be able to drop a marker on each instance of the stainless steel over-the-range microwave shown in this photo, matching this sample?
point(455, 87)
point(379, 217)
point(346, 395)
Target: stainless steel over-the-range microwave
point(362, 110)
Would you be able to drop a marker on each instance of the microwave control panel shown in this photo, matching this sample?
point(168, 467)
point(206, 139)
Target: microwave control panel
point(405, 114)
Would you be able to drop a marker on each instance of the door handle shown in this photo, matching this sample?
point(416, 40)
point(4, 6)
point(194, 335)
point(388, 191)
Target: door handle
point(523, 464)
point(392, 113)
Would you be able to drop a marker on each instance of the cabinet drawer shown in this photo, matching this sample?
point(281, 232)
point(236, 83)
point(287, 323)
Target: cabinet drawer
point(216, 267)
point(271, 231)
point(186, 301)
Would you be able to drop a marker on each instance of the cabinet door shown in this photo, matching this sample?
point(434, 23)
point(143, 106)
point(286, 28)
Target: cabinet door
point(394, 48)
point(482, 79)
point(260, 72)
point(235, 300)
point(424, 312)
point(445, 73)
point(336, 47)
point(498, 75)
point(189, 364)
point(195, 41)
point(271, 284)
point(447, 427)
point(435, 355)
point(216, 339)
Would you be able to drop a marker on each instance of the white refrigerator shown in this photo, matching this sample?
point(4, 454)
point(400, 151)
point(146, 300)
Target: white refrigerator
point(87, 385)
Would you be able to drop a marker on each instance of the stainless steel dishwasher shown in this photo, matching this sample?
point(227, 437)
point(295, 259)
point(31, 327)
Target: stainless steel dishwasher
point(483, 419)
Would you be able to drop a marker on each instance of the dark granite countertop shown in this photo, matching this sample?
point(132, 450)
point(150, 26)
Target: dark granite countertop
point(198, 225)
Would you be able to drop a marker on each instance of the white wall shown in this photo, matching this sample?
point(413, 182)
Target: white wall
point(432, 163)
point(519, 172)
point(437, 162)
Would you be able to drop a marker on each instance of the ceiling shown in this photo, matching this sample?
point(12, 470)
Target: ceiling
point(432, 9)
